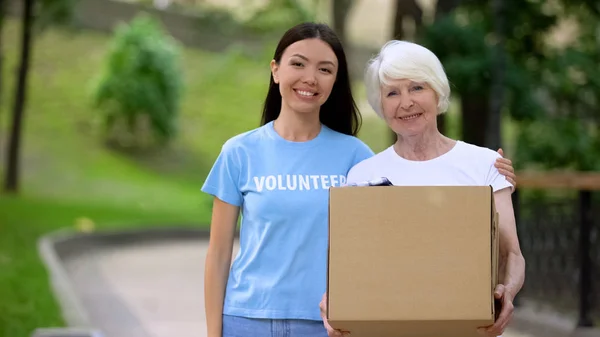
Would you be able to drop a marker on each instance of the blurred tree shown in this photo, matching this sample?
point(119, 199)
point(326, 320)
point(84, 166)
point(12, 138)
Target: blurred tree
point(493, 128)
point(445, 7)
point(140, 85)
point(552, 91)
point(46, 12)
point(280, 15)
point(568, 135)
point(462, 42)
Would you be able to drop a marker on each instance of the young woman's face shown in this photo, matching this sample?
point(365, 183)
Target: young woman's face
point(306, 75)
point(409, 107)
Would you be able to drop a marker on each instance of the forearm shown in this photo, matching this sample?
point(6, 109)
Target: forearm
point(513, 272)
point(215, 281)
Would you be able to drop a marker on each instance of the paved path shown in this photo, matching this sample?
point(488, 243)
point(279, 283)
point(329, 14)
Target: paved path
point(149, 290)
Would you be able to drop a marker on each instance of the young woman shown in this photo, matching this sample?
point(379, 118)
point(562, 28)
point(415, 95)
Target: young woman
point(277, 176)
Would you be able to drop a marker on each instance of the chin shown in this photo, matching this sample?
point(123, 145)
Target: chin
point(306, 109)
point(407, 131)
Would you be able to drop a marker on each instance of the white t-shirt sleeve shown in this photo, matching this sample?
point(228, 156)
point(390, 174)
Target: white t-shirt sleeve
point(494, 177)
point(358, 173)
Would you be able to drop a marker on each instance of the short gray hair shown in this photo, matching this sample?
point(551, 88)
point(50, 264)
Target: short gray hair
point(405, 60)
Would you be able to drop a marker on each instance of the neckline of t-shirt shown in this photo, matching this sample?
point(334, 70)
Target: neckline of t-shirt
point(423, 162)
point(277, 137)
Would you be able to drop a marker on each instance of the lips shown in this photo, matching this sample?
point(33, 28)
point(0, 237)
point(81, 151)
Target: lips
point(411, 117)
point(306, 93)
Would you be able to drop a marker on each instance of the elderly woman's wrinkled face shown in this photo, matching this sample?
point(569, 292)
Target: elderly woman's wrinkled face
point(409, 107)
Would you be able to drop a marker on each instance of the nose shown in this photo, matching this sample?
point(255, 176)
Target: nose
point(406, 102)
point(309, 78)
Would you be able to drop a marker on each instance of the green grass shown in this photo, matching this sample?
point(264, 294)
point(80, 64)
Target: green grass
point(27, 302)
point(69, 175)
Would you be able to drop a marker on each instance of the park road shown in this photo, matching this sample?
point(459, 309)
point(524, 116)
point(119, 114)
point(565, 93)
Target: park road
point(147, 290)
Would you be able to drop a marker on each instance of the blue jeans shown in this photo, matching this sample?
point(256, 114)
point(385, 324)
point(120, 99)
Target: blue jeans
point(235, 326)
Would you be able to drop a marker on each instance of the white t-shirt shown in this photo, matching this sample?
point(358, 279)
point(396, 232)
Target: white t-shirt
point(464, 165)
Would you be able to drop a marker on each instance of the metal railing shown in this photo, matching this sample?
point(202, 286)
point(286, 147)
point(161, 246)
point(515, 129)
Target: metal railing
point(558, 221)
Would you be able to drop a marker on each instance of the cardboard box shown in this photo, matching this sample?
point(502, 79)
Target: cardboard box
point(412, 261)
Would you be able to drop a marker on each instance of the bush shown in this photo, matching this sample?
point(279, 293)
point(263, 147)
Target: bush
point(139, 87)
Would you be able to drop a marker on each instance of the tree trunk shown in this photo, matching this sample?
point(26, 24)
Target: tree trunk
point(11, 182)
point(474, 118)
point(443, 8)
point(493, 127)
point(340, 10)
point(405, 8)
point(3, 6)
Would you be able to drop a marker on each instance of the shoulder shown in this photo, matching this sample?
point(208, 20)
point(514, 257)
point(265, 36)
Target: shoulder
point(348, 141)
point(362, 170)
point(377, 159)
point(343, 138)
point(244, 139)
point(481, 161)
point(478, 153)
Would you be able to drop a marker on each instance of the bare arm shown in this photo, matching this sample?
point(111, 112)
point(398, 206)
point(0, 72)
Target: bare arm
point(218, 262)
point(511, 263)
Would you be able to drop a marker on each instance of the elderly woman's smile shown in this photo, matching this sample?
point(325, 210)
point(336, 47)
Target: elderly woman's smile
point(410, 117)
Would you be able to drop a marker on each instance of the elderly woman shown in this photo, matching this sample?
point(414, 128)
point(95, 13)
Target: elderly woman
point(407, 87)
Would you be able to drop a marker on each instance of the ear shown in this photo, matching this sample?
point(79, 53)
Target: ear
point(274, 71)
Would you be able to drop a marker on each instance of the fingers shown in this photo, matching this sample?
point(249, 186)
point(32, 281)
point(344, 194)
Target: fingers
point(501, 152)
point(505, 316)
point(509, 175)
point(503, 163)
point(331, 332)
point(323, 306)
point(499, 291)
point(497, 329)
point(506, 169)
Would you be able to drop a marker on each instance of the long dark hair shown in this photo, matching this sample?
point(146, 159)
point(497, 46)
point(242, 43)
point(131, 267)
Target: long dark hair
point(339, 112)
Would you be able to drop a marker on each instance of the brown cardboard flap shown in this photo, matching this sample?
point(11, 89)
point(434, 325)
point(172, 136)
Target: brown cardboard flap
point(411, 328)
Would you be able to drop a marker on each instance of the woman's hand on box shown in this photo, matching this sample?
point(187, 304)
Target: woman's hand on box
point(331, 332)
point(506, 299)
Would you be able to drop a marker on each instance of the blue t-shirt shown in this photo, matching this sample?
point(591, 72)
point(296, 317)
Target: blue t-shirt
point(282, 188)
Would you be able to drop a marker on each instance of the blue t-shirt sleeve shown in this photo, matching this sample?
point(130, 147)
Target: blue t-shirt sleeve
point(363, 151)
point(223, 180)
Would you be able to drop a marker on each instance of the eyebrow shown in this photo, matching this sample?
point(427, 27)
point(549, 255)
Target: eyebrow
point(306, 59)
point(392, 86)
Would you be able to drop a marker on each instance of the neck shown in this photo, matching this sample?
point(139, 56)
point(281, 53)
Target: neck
point(425, 146)
point(297, 127)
